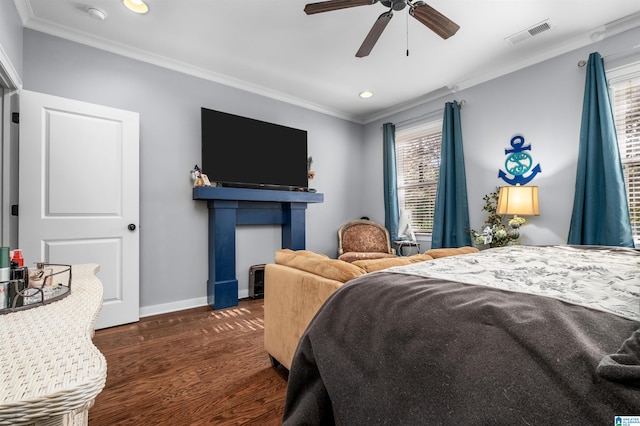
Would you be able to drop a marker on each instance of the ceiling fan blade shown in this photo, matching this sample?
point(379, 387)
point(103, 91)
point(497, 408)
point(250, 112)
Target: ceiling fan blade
point(436, 21)
point(374, 34)
point(327, 6)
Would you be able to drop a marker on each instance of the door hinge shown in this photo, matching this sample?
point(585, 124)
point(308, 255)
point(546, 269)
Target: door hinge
point(14, 210)
point(15, 117)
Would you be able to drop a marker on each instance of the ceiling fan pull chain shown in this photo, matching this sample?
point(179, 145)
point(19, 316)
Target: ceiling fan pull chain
point(407, 21)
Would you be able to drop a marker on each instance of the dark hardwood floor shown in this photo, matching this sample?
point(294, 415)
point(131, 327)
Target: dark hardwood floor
point(193, 367)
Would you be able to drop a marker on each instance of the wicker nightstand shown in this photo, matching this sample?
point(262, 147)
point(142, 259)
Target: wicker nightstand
point(51, 371)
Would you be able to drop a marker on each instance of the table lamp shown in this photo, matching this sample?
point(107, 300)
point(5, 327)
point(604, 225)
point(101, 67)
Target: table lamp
point(518, 200)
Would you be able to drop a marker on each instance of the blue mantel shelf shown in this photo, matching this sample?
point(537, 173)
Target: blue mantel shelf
point(229, 207)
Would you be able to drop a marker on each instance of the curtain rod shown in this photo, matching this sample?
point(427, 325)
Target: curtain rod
point(428, 114)
point(582, 62)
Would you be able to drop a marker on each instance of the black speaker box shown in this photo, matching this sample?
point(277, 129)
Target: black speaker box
point(256, 281)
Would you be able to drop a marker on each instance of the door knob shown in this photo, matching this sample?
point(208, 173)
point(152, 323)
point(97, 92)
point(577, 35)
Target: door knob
point(132, 227)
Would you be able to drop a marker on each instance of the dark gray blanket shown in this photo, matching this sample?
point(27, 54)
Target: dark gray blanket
point(624, 365)
point(394, 349)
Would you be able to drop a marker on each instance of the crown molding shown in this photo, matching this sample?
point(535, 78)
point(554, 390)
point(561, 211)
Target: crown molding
point(31, 22)
point(591, 37)
point(25, 11)
point(429, 97)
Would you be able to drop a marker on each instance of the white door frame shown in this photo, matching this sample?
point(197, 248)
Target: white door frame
point(10, 85)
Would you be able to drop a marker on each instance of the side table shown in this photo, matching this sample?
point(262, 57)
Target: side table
point(51, 371)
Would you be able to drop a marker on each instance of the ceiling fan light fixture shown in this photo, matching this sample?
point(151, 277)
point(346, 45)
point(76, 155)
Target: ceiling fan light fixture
point(366, 94)
point(394, 4)
point(137, 6)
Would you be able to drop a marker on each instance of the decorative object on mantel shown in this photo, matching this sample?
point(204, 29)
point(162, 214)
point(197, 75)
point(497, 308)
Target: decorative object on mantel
point(310, 173)
point(518, 163)
point(199, 178)
point(497, 231)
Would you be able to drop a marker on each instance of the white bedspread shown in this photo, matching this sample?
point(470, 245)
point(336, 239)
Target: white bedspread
point(604, 279)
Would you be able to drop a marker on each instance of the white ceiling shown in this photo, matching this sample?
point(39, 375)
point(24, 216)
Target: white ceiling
point(273, 48)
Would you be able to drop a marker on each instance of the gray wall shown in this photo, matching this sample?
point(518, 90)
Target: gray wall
point(11, 34)
point(173, 227)
point(542, 102)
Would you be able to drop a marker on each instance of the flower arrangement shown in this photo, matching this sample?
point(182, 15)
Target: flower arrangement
point(495, 233)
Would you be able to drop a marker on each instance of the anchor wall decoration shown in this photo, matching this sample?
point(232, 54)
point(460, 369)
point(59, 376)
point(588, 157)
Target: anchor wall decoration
point(518, 163)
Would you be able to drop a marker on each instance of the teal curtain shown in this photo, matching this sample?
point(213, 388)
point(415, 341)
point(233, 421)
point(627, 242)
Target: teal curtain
point(451, 217)
point(391, 211)
point(600, 209)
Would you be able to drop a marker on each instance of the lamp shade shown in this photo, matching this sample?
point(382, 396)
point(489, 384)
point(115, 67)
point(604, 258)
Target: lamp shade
point(522, 200)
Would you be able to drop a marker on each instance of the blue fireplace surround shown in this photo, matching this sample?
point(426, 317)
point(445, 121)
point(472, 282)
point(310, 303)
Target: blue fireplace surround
point(229, 207)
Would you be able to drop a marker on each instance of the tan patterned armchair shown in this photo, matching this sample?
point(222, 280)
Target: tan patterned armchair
point(363, 239)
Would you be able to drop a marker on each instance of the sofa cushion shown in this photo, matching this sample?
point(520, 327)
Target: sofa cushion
point(444, 252)
point(352, 256)
point(291, 299)
point(318, 264)
point(372, 265)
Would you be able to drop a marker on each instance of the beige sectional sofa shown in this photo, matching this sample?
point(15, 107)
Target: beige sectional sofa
point(297, 284)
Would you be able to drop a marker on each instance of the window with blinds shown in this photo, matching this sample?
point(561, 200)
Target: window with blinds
point(626, 109)
point(418, 165)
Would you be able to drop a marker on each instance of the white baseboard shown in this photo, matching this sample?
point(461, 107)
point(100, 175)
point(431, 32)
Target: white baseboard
point(181, 305)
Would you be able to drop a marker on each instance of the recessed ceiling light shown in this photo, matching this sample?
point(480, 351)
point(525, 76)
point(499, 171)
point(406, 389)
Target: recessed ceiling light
point(96, 13)
point(138, 6)
point(366, 94)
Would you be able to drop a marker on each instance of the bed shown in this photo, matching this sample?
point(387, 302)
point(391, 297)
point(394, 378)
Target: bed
point(515, 335)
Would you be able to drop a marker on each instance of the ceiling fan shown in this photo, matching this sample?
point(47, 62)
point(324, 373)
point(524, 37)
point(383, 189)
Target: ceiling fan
point(420, 10)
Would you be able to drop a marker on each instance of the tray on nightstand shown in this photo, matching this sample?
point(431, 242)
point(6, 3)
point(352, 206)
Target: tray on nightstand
point(36, 287)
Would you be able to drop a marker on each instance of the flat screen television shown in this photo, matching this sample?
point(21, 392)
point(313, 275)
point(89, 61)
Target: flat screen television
point(247, 153)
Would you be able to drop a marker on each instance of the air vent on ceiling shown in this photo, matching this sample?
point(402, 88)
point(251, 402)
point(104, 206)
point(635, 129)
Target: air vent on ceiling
point(529, 32)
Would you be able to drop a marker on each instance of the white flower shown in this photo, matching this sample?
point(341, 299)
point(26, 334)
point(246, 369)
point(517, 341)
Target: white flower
point(479, 240)
point(501, 233)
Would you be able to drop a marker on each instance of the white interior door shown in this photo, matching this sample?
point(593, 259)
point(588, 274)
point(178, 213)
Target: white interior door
point(79, 194)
